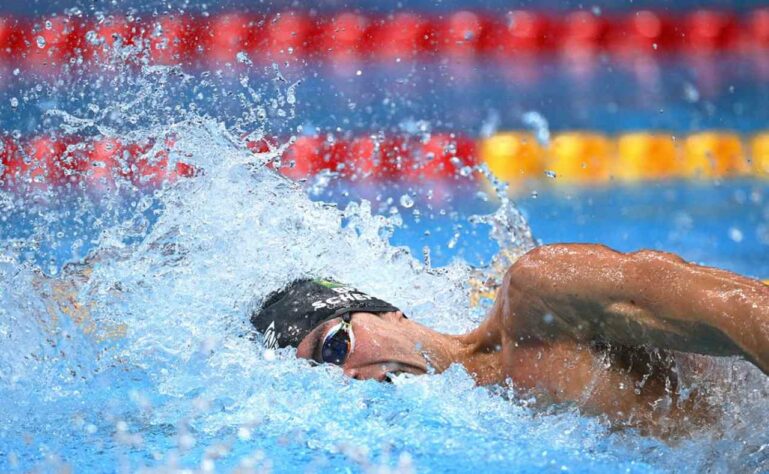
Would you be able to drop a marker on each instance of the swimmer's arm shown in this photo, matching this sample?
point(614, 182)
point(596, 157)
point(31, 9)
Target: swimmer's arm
point(591, 293)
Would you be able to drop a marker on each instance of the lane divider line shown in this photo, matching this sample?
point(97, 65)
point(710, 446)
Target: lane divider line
point(300, 35)
point(584, 158)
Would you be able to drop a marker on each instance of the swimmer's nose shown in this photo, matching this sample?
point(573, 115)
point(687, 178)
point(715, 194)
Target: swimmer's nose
point(352, 373)
point(380, 375)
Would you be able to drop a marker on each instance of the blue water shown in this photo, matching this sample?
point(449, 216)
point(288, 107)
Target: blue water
point(163, 372)
point(156, 406)
point(676, 94)
point(722, 225)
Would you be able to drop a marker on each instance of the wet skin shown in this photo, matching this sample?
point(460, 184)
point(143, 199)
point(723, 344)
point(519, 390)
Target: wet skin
point(572, 323)
point(584, 324)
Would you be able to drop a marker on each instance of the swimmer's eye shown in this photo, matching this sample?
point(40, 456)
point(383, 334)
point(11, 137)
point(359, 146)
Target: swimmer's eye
point(338, 343)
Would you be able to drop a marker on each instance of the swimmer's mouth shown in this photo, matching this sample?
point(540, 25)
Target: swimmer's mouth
point(402, 369)
point(390, 377)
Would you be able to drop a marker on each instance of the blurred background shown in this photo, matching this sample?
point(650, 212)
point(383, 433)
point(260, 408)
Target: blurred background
point(638, 124)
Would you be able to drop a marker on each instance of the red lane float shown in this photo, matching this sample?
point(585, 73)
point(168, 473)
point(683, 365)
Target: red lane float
point(50, 42)
point(709, 30)
point(298, 35)
point(441, 157)
point(96, 165)
point(522, 32)
point(445, 156)
point(285, 36)
point(400, 36)
point(104, 163)
point(174, 40)
point(10, 38)
point(36, 164)
point(461, 34)
point(105, 35)
point(343, 36)
point(226, 36)
point(644, 31)
point(583, 31)
point(758, 26)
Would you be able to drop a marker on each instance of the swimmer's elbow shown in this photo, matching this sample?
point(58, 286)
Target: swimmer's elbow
point(538, 266)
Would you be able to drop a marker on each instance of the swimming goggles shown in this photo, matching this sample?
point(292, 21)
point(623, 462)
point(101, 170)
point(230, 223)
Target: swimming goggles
point(339, 342)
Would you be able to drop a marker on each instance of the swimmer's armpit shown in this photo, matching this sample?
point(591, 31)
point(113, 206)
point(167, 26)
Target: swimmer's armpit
point(592, 293)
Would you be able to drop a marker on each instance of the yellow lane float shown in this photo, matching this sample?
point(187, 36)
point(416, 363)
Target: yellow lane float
point(714, 155)
point(579, 157)
point(584, 157)
point(759, 153)
point(513, 156)
point(647, 156)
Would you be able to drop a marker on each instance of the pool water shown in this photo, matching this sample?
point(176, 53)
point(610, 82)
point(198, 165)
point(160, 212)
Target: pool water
point(723, 225)
point(166, 373)
point(156, 366)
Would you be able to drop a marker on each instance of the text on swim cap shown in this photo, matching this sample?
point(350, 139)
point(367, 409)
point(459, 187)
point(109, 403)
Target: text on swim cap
point(345, 295)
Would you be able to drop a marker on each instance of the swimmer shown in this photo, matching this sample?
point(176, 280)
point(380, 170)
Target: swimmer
point(571, 324)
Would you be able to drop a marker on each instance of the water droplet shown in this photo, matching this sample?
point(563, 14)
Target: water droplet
point(269, 355)
point(242, 58)
point(40, 42)
point(291, 95)
point(735, 234)
point(358, 72)
point(244, 434)
point(14, 102)
point(407, 201)
point(596, 10)
point(539, 123)
point(426, 256)
point(186, 441)
point(92, 38)
point(691, 94)
point(16, 72)
point(48, 25)
point(550, 174)
point(454, 239)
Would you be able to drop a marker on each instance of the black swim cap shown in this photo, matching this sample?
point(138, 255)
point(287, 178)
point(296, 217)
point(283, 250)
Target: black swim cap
point(288, 315)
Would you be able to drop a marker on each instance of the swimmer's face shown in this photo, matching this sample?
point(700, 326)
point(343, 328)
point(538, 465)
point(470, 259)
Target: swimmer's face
point(385, 344)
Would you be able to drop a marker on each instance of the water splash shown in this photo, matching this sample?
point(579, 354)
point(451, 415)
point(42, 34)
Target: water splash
point(145, 357)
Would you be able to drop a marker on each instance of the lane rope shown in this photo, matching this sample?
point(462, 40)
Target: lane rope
point(300, 35)
point(572, 157)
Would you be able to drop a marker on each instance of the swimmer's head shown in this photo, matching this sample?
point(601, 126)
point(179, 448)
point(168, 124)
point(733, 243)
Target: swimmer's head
point(288, 315)
point(332, 323)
